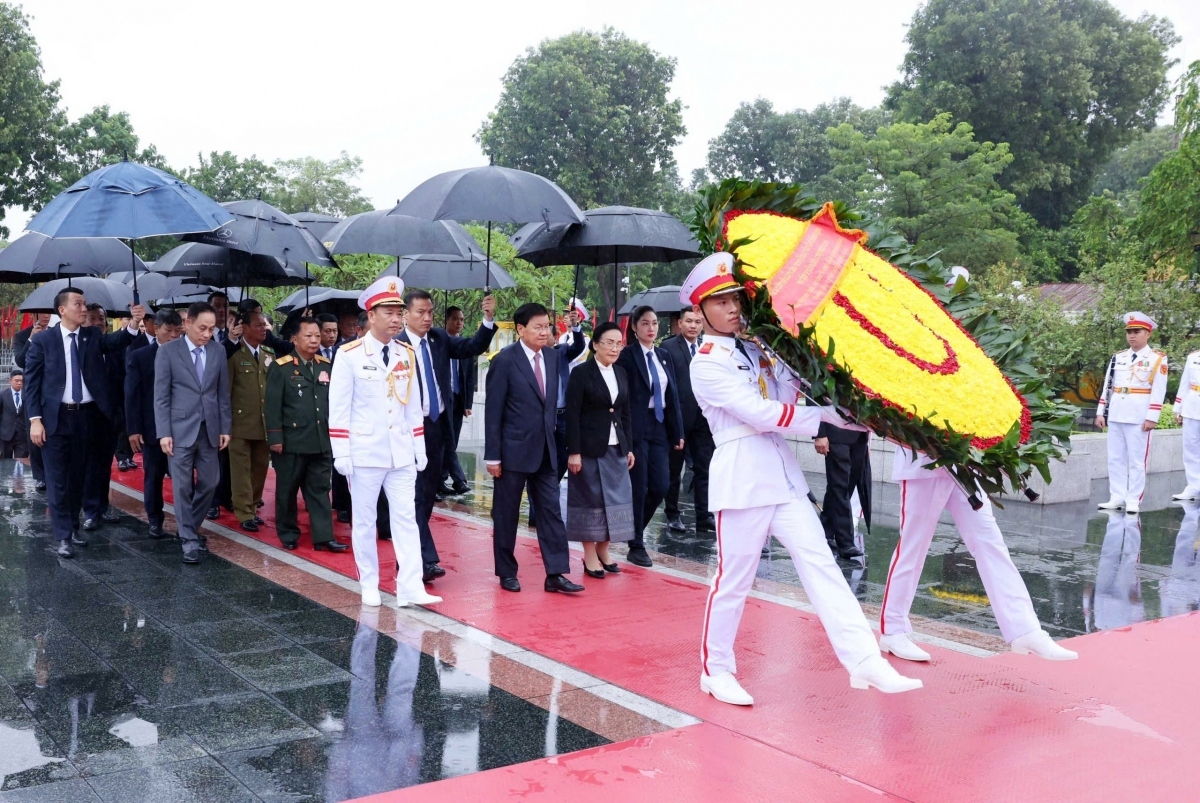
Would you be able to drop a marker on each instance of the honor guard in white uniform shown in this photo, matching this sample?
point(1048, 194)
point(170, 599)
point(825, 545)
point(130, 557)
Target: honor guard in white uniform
point(1130, 403)
point(756, 490)
point(1187, 412)
point(924, 494)
point(378, 439)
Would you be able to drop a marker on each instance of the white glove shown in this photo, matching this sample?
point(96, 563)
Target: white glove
point(343, 466)
point(422, 461)
point(830, 415)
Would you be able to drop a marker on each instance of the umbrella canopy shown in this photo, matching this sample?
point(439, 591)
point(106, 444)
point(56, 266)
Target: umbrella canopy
point(611, 234)
point(115, 297)
point(443, 272)
point(491, 193)
point(130, 201)
point(223, 267)
point(261, 229)
point(382, 232)
point(662, 299)
point(151, 285)
point(321, 299)
point(317, 223)
point(35, 257)
point(187, 294)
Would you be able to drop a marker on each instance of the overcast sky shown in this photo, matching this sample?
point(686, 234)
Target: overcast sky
point(405, 85)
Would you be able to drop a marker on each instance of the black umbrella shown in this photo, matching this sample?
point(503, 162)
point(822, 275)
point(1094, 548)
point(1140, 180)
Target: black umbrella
point(662, 299)
point(317, 223)
point(187, 294)
point(259, 228)
point(34, 257)
point(152, 285)
point(321, 299)
point(383, 232)
point(220, 267)
point(446, 272)
point(115, 297)
point(491, 193)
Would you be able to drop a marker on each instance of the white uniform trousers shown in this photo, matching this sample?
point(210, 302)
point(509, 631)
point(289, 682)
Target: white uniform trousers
point(1128, 454)
point(400, 486)
point(1191, 454)
point(921, 503)
point(741, 535)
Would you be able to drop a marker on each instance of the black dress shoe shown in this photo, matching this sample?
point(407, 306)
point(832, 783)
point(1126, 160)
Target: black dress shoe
point(156, 531)
point(446, 490)
point(259, 503)
point(639, 557)
point(76, 540)
point(706, 524)
point(382, 536)
point(249, 526)
point(850, 553)
point(431, 572)
point(214, 513)
point(460, 489)
point(598, 573)
point(611, 568)
point(442, 494)
point(64, 549)
point(291, 546)
point(510, 584)
point(675, 524)
point(343, 516)
point(557, 582)
point(110, 517)
point(40, 485)
point(259, 520)
point(90, 524)
point(330, 546)
point(191, 557)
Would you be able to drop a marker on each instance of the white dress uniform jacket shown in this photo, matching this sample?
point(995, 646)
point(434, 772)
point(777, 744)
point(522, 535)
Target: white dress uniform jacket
point(1187, 399)
point(1139, 384)
point(753, 466)
point(375, 409)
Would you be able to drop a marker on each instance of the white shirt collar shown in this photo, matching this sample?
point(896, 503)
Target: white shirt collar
point(191, 346)
point(414, 337)
point(382, 344)
point(645, 349)
point(528, 351)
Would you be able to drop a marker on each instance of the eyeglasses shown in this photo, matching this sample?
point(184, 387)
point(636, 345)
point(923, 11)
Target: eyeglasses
point(609, 344)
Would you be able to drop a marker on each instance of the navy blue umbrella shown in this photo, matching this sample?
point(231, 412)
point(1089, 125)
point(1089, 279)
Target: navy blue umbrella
point(129, 201)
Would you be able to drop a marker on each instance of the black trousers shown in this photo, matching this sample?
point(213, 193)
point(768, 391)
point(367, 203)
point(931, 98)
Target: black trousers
point(651, 477)
point(66, 456)
point(36, 463)
point(700, 448)
point(341, 493)
point(506, 509)
point(224, 494)
point(154, 470)
point(17, 447)
point(560, 449)
point(122, 449)
point(451, 469)
point(99, 469)
point(844, 466)
point(429, 480)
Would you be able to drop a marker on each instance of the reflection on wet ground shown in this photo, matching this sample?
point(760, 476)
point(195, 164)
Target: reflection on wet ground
point(1086, 570)
point(128, 676)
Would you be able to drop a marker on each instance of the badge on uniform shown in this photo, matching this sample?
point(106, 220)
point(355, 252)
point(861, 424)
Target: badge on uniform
point(323, 378)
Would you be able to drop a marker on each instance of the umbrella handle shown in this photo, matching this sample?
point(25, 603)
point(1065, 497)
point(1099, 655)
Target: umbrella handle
point(133, 267)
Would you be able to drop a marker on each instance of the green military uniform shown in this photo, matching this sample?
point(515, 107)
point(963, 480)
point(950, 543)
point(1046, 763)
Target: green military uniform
point(249, 456)
point(297, 410)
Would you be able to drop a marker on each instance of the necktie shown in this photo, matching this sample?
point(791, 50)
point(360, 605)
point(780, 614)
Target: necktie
point(17, 400)
point(198, 359)
point(435, 408)
point(537, 371)
point(454, 377)
point(385, 355)
point(657, 386)
point(737, 343)
point(693, 349)
point(76, 371)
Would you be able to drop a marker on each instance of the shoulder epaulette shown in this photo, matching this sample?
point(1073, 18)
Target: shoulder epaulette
point(322, 358)
point(353, 344)
point(1159, 353)
point(406, 345)
point(285, 360)
point(267, 349)
point(705, 348)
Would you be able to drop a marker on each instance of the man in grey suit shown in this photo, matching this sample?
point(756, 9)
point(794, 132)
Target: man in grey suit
point(13, 426)
point(193, 420)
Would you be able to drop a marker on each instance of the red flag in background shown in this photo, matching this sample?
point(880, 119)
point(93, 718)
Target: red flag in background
point(561, 327)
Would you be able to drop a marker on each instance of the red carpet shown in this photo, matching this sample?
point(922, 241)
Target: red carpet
point(1119, 724)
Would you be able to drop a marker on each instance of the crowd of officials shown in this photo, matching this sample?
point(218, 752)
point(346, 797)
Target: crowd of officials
point(212, 396)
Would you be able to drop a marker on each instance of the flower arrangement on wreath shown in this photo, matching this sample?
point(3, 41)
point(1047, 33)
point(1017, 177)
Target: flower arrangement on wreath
point(875, 329)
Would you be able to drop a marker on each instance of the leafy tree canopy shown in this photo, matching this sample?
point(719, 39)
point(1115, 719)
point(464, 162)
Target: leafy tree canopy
point(1123, 173)
point(313, 185)
point(96, 139)
point(1063, 83)
point(590, 111)
point(224, 177)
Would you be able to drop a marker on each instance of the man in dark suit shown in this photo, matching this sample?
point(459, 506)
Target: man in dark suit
point(463, 376)
point(193, 419)
point(700, 446)
point(13, 424)
point(139, 413)
point(657, 423)
point(97, 480)
point(69, 406)
point(847, 468)
point(520, 449)
point(435, 349)
point(41, 322)
point(329, 335)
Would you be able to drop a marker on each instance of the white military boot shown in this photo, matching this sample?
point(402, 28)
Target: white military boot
point(371, 598)
point(423, 598)
point(1040, 644)
point(901, 646)
point(1112, 504)
point(877, 672)
point(724, 687)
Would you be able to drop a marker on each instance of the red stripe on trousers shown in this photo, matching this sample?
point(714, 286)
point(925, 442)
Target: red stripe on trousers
point(716, 587)
point(895, 558)
point(1145, 465)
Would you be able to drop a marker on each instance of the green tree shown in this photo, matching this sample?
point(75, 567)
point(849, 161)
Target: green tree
point(590, 111)
point(1123, 173)
point(29, 117)
point(1063, 83)
point(936, 185)
point(308, 184)
point(225, 177)
point(96, 139)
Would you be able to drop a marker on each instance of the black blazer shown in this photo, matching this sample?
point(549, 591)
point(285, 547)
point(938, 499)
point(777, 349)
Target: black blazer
point(139, 391)
point(518, 423)
point(681, 353)
point(443, 346)
point(12, 421)
point(591, 411)
point(469, 376)
point(641, 392)
point(46, 371)
point(21, 345)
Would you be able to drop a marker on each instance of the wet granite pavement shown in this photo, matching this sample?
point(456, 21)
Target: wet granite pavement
point(127, 676)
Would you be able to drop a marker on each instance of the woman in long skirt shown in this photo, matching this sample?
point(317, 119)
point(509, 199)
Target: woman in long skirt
point(599, 453)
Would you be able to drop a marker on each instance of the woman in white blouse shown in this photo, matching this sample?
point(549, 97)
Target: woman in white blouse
point(599, 453)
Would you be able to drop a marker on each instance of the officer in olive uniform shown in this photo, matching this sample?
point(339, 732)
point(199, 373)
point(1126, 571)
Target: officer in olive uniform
point(248, 454)
point(297, 413)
